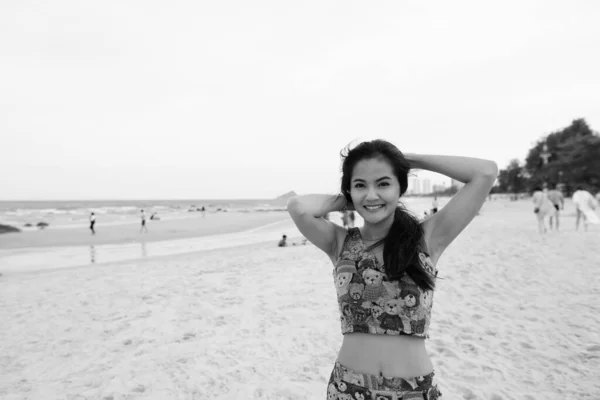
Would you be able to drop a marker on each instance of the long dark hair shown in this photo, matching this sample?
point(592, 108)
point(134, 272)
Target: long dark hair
point(403, 241)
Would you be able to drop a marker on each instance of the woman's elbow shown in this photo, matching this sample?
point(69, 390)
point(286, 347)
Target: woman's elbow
point(490, 170)
point(293, 205)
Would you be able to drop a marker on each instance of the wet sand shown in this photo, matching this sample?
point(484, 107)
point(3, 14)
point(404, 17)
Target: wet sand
point(116, 233)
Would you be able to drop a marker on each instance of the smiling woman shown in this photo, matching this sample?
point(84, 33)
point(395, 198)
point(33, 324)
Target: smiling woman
point(375, 175)
point(385, 272)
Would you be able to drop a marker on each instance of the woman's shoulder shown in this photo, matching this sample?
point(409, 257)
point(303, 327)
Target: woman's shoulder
point(343, 239)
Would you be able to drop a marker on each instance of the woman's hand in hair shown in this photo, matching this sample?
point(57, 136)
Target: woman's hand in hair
point(413, 160)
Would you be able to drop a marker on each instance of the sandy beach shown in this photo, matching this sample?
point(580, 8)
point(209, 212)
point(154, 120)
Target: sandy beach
point(193, 225)
point(515, 316)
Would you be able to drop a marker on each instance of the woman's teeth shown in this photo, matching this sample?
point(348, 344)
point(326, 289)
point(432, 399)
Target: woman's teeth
point(373, 208)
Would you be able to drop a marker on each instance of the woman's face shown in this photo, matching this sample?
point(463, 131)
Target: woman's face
point(374, 190)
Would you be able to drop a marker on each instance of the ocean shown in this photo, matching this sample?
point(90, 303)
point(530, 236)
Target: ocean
point(70, 213)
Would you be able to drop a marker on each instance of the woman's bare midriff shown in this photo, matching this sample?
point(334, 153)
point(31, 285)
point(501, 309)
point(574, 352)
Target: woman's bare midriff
point(386, 355)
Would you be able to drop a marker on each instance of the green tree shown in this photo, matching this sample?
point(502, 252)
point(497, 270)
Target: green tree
point(512, 179)
point(580, 163)
point(574, 159)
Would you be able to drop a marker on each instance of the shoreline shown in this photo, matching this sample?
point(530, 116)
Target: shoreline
point(47, 258)
point(129, 232)
point(53, 250)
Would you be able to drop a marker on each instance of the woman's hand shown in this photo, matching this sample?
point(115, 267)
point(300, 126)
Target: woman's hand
point(413, 161)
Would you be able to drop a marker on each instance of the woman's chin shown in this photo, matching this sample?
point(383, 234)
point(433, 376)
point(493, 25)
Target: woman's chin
point(374, 219)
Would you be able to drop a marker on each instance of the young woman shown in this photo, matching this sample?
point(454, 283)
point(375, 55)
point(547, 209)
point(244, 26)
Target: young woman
point(385, 271)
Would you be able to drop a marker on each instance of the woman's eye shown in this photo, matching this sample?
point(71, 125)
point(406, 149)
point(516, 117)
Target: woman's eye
point(358, 185)
point(384, 184)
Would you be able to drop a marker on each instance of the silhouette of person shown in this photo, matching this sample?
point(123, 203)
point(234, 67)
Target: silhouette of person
point(283, 241)
point(144, 227)
point(92, 223)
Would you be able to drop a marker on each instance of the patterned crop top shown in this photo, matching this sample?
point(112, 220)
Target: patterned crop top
point(370, 303)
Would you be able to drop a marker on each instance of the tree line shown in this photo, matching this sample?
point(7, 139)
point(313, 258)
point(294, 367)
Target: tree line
point(573, 160)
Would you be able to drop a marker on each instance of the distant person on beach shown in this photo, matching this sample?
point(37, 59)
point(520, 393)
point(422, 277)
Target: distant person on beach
point(351, 219)
point(283, 241)
point(434, 205)
point(143, 228)
point(584, 204)
point(348, 219)
point(385, 271)
point(542, 208)
point(92, 223)
point(203, 211)
point(344, 219)
point(558, 201)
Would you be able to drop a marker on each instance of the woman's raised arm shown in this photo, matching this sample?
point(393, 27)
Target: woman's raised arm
point(308, 211)
point(477, 174)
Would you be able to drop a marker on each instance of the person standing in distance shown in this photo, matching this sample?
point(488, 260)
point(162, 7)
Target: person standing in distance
point(584, 201)
point(558, 200)
point(92, 223)
point(351, 219)
point(143, 218)
point(385, 271)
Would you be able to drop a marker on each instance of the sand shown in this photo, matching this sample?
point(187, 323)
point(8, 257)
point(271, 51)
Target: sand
point(516, 316)
point(193, 225)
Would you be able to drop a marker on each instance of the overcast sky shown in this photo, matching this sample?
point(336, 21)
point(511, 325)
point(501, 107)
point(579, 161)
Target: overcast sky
point(250, 99)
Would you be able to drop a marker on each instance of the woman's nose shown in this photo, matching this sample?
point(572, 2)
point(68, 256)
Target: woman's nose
point(372, 194)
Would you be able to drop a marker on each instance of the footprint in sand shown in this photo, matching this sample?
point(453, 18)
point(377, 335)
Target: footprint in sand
point(139, 389)
point(595, 347)
point(232, 300)
point(467, 347)
point(447, 352)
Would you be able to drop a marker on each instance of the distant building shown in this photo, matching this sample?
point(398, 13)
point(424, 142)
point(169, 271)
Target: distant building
point(426, 186)
point(414, 186)
point(438, 188)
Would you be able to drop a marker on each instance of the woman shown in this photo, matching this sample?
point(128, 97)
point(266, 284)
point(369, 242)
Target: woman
point(385, 271)
point(542, 208)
